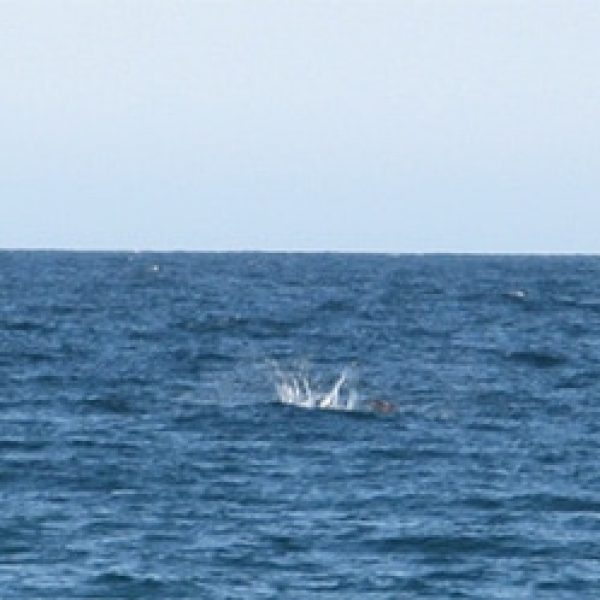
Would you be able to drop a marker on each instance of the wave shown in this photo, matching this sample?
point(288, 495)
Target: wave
point(537, 358)
point(516, 295)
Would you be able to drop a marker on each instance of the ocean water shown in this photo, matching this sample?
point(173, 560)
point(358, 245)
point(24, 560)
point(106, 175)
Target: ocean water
point(223, 426)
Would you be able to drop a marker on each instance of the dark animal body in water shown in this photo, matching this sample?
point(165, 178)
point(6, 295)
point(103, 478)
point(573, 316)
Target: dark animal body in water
point(382, 406)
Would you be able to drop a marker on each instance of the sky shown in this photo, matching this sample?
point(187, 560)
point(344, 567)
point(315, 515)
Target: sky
point(401, 126)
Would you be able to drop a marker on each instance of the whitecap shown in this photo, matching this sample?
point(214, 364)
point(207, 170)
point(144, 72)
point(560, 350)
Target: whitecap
point(517, 294)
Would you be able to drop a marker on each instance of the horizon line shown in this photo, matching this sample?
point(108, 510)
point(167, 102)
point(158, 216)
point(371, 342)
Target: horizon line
point(122, 250)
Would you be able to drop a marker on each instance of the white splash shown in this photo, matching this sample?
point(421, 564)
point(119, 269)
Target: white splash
point(297, 389)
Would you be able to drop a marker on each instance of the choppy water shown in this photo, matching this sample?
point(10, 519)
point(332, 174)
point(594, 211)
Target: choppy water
point(161, 436)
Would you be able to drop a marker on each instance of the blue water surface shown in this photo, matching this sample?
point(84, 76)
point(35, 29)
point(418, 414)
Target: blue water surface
point(144, 452)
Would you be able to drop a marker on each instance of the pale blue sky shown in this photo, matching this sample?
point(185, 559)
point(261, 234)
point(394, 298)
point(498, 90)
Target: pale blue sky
point(402, 126)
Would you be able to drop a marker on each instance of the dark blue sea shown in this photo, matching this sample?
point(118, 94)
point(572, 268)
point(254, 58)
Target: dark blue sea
point(274, 426)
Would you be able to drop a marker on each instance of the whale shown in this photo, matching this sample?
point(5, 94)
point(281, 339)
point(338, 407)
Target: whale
point(381, 406)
